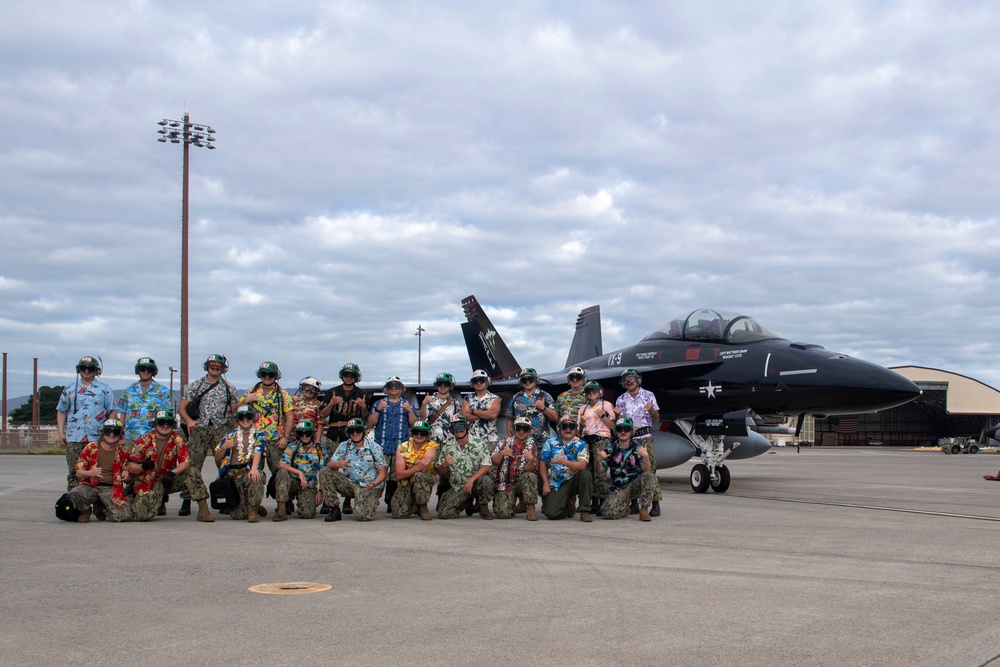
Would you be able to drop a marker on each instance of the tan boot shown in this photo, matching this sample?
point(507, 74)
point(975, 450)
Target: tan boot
point(279, 513)
point(531, 513)
point(571, 507)
point(252, 515)
point(644, 514)
point(425, 514)
point(261, 511)
point(521, 508)
point(585, 517)
point(84, 516)
point(204, 514)
point(484, 511)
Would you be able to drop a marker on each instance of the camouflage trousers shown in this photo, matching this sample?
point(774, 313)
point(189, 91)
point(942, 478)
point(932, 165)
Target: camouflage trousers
point(286, 488)
point(73, 450)
point(648, 444)
point(412, 493)
point(144, 506)
point(455, 497)
point(599, 469)
point(526, 488)
point(641, 488)
point(273, 454)
point(84, 497)
point(200, 444)
point(332, 482)
point(556, 504)
point(251, 494)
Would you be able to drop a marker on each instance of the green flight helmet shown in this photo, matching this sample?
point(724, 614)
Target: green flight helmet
point(146, 362)
point(445, 377)
point(350, 368)
point(623, 423)
point(592, 386)
point(167, 414)
point(636, 374)
point(269, 367)
point(216, 359)
point(305, 426)
point(421, 426)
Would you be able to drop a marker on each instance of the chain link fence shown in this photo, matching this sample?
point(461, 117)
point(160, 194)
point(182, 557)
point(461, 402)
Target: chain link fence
point(29, 440)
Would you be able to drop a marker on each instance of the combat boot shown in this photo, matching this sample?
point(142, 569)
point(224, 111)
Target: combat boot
point(484, 511)
point(530, 510)
point(656, 509)
point(185, 509)
point(99, 512)
point(633, 507)
point(84, 516)
point(261, 511)
point(521, 508)
point(204, 514)
point(280, 514)
point(425, 514)
point(585, 517)
point(571, 507)
point(347, 506)
point(252, 515)
point(333, 514)
point(644, 514)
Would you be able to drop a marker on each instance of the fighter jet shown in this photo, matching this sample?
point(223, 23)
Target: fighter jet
point(715, 375)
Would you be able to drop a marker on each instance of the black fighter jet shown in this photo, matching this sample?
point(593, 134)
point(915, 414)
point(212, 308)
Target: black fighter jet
point(716, 377)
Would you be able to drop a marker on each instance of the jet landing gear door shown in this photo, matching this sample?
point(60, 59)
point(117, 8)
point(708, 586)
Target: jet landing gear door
point(709, 436)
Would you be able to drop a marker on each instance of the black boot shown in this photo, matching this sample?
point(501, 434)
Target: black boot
point(289, 508)
point(634, 507)
point(334, 514)
point(595, 506)
point(224, 510)
point(323, 509)
point(390, 491)
point(347, 506)
point(163, 509)
point(656, 509)
point(185, 509)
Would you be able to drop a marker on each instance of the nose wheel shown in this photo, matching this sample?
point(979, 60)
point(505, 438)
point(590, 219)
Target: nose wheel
point(702, 479)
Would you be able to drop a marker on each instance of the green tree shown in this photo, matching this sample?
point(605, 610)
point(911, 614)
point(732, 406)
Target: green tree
point(48, 398)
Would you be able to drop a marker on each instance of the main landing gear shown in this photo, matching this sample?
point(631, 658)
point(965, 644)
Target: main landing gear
point(711, 472)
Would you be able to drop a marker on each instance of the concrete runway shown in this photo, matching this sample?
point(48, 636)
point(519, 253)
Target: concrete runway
point(828, 557)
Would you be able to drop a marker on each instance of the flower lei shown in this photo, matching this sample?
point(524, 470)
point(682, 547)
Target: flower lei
point(243, 448)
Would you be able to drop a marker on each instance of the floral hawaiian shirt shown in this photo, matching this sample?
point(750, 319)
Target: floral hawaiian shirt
point(522, 405)
point(271, 409)
point(511, 467)
point(635, 408)
point(306, 408)
point(119, 470)
point(593, 422)
point(86, 409)
point(441, 427)
point(174, 453)
point(136, 408)
point(567, 403)
point(624, 465)
point(574, 450)
point(214, 406)
point(393, 425)
point(308, 462)
point(409, 453)
point(482, 428)
point(238, 455)
point(362, 462)
point(466, 460)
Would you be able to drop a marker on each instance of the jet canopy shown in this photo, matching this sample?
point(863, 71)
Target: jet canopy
point(711, 325)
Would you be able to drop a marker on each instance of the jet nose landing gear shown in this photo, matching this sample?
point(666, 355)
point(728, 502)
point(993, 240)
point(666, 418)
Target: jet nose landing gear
point(702, 478)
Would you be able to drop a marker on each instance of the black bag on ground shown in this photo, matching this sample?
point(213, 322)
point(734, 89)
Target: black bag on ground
point(65, 509)
point(224, 494)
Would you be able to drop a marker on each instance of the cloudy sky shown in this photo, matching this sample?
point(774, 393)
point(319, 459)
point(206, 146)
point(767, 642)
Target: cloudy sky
point(829, 168)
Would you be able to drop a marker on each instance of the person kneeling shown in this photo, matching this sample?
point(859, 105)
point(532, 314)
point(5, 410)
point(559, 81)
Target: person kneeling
point(564, 473)
point(103, 470)
point(516, 460)
point(159, 465)
point(357, 469)
point(414, 473)
point(466, 462)
point(631, 477)
point(239, 456)
point(304, 459)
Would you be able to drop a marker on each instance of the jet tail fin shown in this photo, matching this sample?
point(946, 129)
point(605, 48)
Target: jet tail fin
point(587, 342)
point(485, 346)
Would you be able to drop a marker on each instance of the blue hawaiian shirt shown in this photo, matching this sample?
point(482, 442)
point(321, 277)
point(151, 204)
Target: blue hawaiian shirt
point(362, 463)
point(137, 407)
point(393, 425)
point(86, 409)
point(524, 406)
point(574, 450)
point(308, 463)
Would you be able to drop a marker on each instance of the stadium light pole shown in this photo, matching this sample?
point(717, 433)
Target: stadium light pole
point(190, 134)
point(420, 340)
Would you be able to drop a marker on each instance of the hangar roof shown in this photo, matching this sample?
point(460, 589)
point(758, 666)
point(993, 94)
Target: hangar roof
point(965, 395)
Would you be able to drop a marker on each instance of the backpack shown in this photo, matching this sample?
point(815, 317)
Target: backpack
point(65, 509)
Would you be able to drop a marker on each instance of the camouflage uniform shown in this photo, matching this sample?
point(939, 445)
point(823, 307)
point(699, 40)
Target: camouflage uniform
point(412, 493)
point(200, 444)
point(145, 506)
point(525, 488)
point(641, 488)
point(365, 500)
point(84, 497)
point(287, 489)
point(467, 460)
point(251, 495)
point(454, 499)
point(599, 469)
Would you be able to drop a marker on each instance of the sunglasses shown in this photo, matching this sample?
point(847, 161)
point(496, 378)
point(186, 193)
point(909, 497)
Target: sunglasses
point(568, 427)
point(245, 418)
point(165, 422)
point(442, 384)
point(574, 378)
point(302, 434)
point(86, 369)
point(459, 427)
point(594, 391)
point(394, 385)
point(354, 431)
point(419, 434)
point(529, 380)
point(215, 365)
point(268, 375)
point(310, 390)
point(478, 380)
point(145, 369)
point(523, 429)
point(622, 429)
point(116, 432)
point(349, 376)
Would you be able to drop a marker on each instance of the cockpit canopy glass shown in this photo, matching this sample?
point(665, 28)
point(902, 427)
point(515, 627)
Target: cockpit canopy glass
point(713, 326)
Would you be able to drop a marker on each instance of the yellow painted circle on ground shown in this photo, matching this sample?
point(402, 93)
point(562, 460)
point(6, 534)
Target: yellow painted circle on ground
point(290, 588)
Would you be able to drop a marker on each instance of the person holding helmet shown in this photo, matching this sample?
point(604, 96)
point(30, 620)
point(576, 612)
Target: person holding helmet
point(481, 408)
point(103, 471)
point(206, 411)
point(357, 469)
point(439, 407)
point(565, 474)
point(140, 401)
point(240, 456)
point(533, 403)
point(596, 418)
point(391, 418)
point(414, 468)
point(303, 459)
point(640, 406)
point(465, 461)
point(159, 465)
point(306, 404)
point(573, 398)
point(275, 412)
point(631, 478)
point(83, 406)
point(516, 460)
point(341, 405)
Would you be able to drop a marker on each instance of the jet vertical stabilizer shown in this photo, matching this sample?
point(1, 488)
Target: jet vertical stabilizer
point(587, 342)
point(486, 349)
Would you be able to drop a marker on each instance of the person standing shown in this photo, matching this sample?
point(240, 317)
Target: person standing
point(82, 408)
point(437, 409)
point(631, 479)
point(481, 408)
point(296, 477)
point(392, 418)
point(640, 406)
point(103, 472)
point(414, 462)
point(275, 412)
point(212, 400)
point(565, 475)
point(466, 462)
point(140, 401)
point(306, 404)
point(240, 455)
point(357, 469)
point(571, 400)
point(597, 417)
point(534, 403)
point(516, 460)
point(341, 405)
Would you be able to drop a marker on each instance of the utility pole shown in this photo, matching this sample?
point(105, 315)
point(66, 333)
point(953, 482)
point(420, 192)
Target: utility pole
point(420, 336)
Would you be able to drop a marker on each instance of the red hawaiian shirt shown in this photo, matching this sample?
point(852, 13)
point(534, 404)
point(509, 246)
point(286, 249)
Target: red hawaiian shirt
point(119, 471)
point(175, 453)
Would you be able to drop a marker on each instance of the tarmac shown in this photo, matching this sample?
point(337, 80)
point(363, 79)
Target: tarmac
point(860, 556)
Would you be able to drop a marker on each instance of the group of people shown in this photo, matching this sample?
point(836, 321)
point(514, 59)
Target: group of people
point(336, 454)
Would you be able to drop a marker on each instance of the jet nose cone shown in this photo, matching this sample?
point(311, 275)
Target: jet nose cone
point(867, 387)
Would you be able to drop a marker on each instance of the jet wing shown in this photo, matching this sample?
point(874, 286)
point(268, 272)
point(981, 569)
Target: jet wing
point(660, 373)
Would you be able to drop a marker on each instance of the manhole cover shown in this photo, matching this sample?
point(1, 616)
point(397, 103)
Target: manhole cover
point(291, 588)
